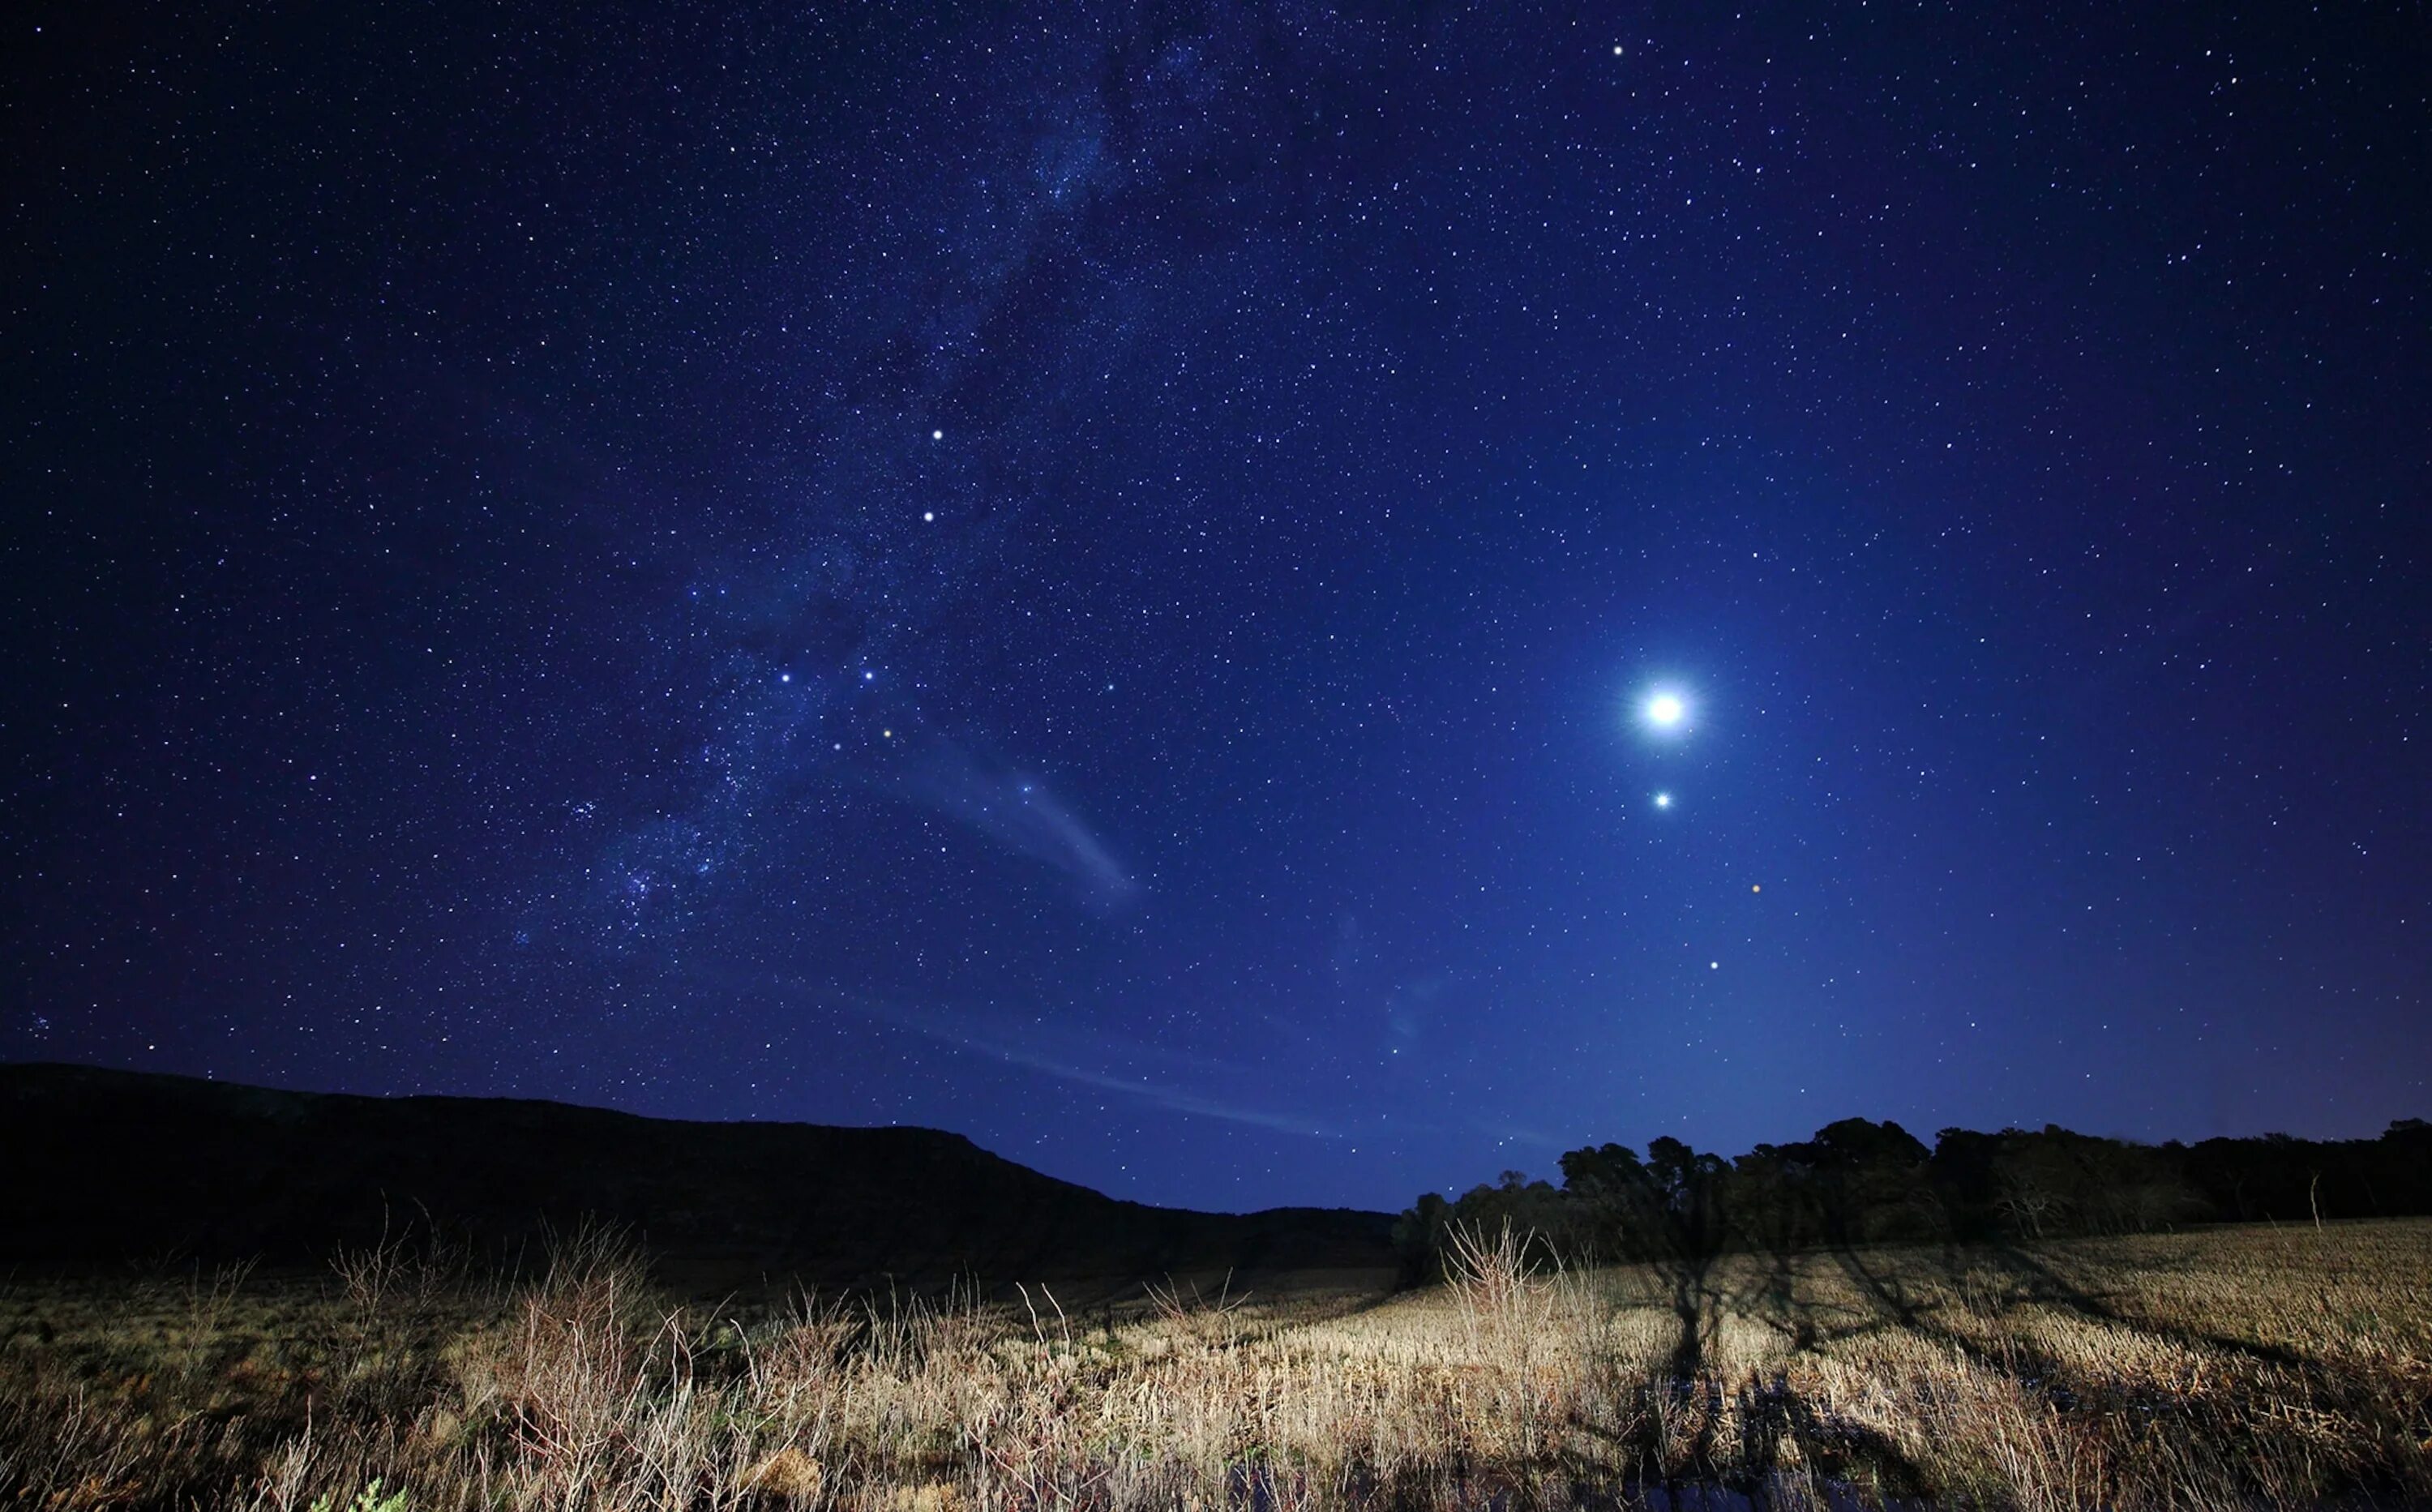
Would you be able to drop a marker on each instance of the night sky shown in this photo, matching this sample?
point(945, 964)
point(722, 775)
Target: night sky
point(1097, 576)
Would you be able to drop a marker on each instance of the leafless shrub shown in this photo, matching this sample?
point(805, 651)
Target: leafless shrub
point(66, 1451)
point(208, 1303)
point(1211, 1323)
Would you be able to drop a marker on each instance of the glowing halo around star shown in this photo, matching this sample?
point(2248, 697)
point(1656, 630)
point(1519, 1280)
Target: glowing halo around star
point(1664, 709)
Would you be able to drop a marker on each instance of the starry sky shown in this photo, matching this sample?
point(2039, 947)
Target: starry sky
point(1095, 575)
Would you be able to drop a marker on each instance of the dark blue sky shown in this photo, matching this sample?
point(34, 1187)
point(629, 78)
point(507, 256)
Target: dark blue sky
point(1086, 576)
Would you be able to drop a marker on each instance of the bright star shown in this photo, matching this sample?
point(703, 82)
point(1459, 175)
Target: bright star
point(1663, 800)
point(1664, 710)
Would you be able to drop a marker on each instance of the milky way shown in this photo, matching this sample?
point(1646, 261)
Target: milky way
point(1103, 578)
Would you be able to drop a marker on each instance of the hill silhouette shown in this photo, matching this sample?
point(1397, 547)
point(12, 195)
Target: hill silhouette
point(109, 1167)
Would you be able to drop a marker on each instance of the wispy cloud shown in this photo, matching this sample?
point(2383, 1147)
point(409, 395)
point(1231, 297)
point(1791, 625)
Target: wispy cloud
point(1019, 811)
point(1036, 1049)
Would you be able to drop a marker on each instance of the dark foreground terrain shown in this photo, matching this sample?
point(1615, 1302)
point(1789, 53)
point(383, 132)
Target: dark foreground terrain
point(216, 1296)
point(111, 1168)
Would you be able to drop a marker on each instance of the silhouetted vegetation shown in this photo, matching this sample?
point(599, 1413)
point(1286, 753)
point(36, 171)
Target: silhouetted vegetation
point(1857, 1182)
point(1852, 1351)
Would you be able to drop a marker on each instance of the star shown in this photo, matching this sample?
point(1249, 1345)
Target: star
point(1399, 605)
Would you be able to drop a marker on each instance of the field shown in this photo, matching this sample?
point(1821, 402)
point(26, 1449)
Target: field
point(2229, 1367)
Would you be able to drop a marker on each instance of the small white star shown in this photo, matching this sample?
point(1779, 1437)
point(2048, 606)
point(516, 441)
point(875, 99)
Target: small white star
point(1663, 800)
point(936, 436)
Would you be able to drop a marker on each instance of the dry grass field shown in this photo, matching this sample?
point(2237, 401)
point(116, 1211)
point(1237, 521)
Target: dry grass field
point(2232, 1367)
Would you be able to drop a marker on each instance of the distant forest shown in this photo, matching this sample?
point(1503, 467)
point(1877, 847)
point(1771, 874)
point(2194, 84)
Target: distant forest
point(1859, 1182)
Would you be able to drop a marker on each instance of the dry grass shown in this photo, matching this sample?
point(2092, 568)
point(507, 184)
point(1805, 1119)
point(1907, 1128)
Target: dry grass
point(2237, 1368)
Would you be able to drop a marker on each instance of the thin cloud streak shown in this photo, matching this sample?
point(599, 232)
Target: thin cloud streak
point(957, 1031)
point(1020, 812)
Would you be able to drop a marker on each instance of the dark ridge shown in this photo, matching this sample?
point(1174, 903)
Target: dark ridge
point(113, 1166)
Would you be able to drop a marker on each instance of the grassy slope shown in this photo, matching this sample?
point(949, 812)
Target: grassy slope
point(2232, 1367)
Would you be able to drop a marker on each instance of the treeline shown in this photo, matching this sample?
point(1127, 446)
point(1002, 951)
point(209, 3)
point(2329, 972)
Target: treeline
point(1859, 1182)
